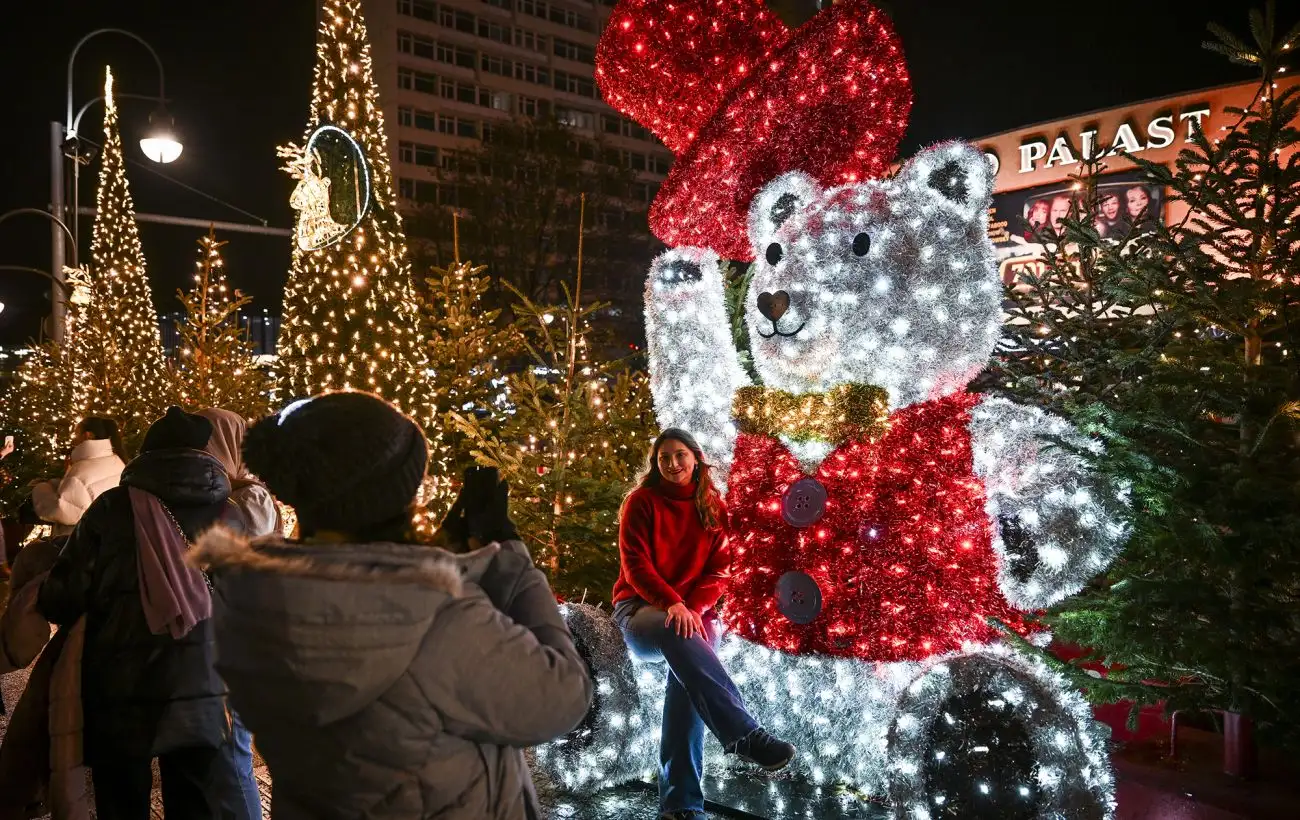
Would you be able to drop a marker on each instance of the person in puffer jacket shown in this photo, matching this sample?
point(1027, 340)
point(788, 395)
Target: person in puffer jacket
point(148, 686)
point(252, 512)
point(94, 465)
point(378, 677)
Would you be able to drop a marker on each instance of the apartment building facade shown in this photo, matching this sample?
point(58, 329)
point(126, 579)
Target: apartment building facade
point(450, 70)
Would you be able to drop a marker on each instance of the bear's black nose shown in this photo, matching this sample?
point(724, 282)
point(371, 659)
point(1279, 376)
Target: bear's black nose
point(773, 305)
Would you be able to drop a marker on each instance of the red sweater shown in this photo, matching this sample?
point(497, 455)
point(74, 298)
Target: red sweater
point(667, 556)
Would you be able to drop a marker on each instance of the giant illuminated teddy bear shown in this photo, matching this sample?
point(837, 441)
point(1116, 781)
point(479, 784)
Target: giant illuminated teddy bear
point(882, 518)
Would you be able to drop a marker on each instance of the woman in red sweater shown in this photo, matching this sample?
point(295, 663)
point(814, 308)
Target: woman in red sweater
point(675, 563)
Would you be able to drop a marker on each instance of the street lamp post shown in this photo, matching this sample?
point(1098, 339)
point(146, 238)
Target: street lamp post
point(59, 287)
point(160, 144)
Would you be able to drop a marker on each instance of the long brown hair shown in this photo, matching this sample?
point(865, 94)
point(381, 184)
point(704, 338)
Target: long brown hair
point(708, 501)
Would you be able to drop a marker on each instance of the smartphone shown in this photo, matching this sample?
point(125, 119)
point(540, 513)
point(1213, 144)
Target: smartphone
point(9, 442)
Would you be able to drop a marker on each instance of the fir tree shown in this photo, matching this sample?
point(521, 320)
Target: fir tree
point(117, 352)
point(350, 316)
point(40, 403)
point(1203, 402)
point(466, 347)
point(570, 446)
point(215, 363)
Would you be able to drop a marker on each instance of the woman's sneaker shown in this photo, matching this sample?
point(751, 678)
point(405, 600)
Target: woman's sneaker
point(762, 749)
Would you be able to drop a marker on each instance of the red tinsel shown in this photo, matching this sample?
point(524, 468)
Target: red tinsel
point(903, 554)
point(741, 100)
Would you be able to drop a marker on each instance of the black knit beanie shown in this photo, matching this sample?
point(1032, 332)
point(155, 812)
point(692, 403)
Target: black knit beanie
point(343, 461)
point(177, 429)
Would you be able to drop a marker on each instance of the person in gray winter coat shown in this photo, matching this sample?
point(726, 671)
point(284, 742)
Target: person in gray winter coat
point(378, 676)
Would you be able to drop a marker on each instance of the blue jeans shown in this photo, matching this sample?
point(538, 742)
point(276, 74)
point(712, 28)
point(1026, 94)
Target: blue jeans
point(241, 749)
point(699, 694)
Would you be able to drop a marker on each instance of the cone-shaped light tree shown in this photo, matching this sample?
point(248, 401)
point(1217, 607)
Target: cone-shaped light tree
point(350, 315)
point(117, 350)
point(215, 365)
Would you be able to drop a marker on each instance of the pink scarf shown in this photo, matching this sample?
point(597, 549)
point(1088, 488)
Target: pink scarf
point(173, 594)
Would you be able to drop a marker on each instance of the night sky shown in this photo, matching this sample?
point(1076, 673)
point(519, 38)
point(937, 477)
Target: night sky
point(239, 80)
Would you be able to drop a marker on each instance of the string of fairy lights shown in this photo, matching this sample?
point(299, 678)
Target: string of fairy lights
point(350, 319)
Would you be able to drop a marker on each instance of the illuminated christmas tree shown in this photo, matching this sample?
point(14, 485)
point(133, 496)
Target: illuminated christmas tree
point(117, 351)
point(570, 447)
point(40, 403)
point(465, 347)
point(215, 364)
point(351, 320)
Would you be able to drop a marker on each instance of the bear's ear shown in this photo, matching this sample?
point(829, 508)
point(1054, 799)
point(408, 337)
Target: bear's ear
point(779, 200)
point(955, 176)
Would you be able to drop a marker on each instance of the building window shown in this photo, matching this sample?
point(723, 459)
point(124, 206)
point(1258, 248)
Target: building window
point(574, 51)
point(415, 118)
point(414, 153)
point(457, 126)
point(536, 8)
point(495, 65)
point(660, 165)
point(455, 56)
point(411, 80)
point(493, 31)
point(530, 40)
point(625, 128)
point(572, 19)
point(531, 74)
point(635, 161)
point(527, 106)
point(426, 120)
point(574, 84)
point(419, 9)
point(467, 93)
point(575, 118)
point(455, 19)
point(409, 43)
point(418, 190)
point(501, 4)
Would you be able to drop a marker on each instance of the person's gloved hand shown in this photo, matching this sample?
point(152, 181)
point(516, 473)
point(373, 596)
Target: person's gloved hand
point(487, 506)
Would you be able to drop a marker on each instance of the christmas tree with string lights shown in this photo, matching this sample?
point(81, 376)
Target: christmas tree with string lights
point(466, 346)
point(1194, 370)
point(351, 320)
point(39, 404)
point(116, 355)
point(571, 444)
point(350, 316)
point(215, 364)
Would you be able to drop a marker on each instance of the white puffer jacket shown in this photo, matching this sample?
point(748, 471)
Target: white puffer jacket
point(93, 468)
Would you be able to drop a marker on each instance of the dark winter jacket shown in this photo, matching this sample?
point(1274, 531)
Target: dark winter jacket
point(143, 693)
point(380, 683)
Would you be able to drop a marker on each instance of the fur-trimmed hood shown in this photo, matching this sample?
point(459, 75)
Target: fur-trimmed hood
point(329, 626)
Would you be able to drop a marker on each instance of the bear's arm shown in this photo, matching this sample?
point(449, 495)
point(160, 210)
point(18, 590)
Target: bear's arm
point(1057, 523)
point(694, 367)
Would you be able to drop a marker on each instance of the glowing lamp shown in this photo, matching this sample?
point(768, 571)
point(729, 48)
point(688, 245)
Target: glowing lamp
point(160, 143)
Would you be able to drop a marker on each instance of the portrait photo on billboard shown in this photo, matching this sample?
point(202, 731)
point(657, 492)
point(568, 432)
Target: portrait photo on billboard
point(1021, 221)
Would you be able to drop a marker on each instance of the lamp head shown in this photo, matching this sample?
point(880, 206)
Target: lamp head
point(160, 142)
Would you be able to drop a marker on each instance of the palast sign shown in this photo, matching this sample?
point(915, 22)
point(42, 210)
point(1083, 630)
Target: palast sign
point(1155, 130)
point(1126, 138)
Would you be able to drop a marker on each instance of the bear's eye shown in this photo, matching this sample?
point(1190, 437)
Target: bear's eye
point(861, 244)
point(774, 253)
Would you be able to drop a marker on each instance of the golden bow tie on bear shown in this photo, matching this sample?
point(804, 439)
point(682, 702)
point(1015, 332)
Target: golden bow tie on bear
point(848, 412)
